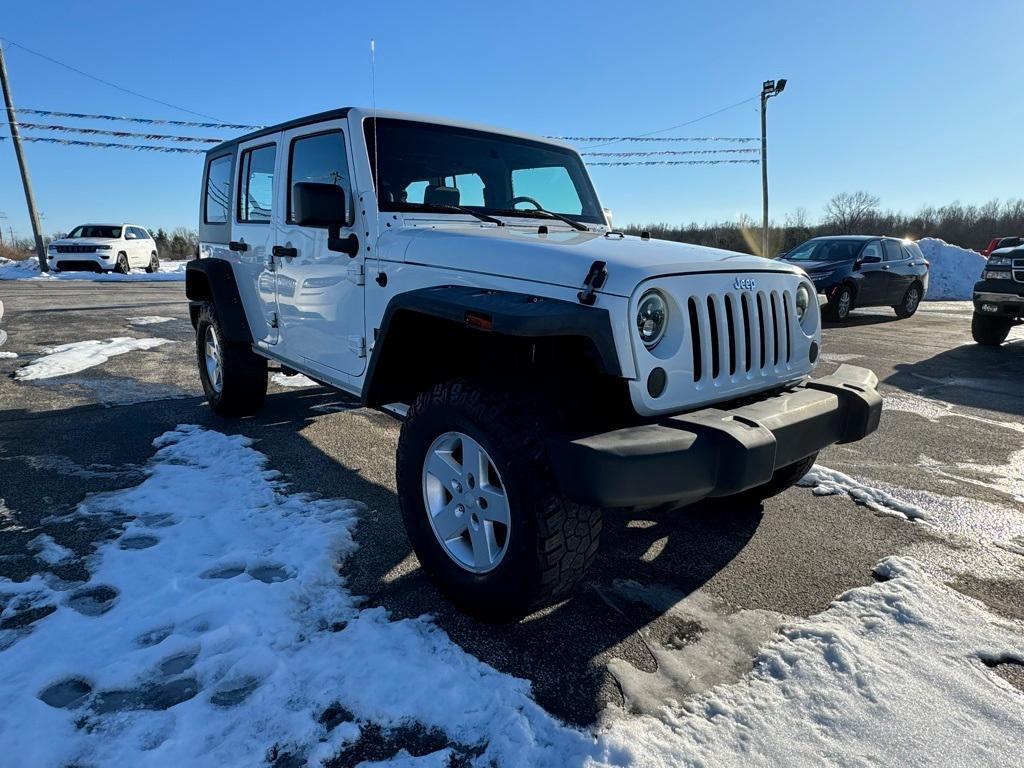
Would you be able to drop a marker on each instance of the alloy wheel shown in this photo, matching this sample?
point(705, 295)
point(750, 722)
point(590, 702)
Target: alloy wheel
point(214, 361)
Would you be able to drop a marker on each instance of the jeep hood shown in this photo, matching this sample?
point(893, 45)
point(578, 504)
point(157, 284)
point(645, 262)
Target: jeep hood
point(563, 257)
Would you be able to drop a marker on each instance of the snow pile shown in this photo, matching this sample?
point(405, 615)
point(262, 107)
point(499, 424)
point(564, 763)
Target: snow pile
point(28, 269)
point(79, 355)
point(294, 380)
point(149, 320)
point(829, 482)
point(954, 270)
point(216, 631)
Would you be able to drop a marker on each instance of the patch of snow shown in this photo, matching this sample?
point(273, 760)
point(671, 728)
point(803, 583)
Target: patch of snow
point(233, 630)
point(935, 410)
point(838, 357)
point(79, 355)
point(149, 320)
point(28, 269)
point(954, 270)
point(295, 380)
point(8, 355)
point(48, 550)
point(829, 482)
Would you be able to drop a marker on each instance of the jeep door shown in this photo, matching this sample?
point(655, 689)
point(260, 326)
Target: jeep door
point(319, 291)
point(253, 231)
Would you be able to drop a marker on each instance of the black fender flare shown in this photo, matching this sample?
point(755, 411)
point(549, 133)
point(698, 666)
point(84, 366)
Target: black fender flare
point(504, 313)
point(212, 280)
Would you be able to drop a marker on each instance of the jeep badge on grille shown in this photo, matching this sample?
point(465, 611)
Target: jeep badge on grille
point(744, 284)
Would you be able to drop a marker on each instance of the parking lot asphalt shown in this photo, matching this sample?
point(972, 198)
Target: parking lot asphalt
point(951, 441)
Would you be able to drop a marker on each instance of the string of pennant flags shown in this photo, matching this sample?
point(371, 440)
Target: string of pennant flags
point(142, 120)
point(674, 162)
point(670, 152)
point(111, 145)
point(117, 134)
point(736, 139)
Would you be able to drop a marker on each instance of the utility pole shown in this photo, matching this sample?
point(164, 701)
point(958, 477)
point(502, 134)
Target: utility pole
point(12, 120)
point(768, 89)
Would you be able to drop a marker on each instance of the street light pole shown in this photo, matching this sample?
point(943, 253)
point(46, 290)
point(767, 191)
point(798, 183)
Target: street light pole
point(12, 121)
point(768, 89)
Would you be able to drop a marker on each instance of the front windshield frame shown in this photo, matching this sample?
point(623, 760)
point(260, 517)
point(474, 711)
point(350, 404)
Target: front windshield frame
point(108, 232)
point(591, 211)
point(813, 253)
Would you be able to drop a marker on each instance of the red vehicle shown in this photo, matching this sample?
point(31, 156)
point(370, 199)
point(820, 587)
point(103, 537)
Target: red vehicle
point(1002, 242)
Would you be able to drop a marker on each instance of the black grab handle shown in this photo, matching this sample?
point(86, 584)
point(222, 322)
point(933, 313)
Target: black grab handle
point(283, 251)
point(234, 245)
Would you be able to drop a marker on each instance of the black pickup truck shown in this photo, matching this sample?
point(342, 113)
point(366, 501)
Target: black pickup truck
point(999, 296)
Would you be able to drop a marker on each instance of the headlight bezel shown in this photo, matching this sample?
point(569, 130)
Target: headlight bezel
point(999, 261)
point(802, 290)
point(656, 339)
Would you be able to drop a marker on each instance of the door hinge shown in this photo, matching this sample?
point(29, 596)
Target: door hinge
point(356, 274)
point(358, 345)
point(273, 319)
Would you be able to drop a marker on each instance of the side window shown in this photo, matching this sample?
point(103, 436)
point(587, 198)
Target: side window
point(256, 185)
point(218, 190)
point(872, 249)
point(893, 252)
point(144, 233)
point(320, 158)
point(552, 187)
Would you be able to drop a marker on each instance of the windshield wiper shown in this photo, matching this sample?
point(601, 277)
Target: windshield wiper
point(461, 209)
point(550, 214)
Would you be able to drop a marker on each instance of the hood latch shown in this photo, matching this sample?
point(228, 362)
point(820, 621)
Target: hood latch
point(592, 282)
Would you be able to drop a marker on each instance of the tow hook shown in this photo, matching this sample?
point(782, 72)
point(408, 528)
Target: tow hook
point(592, 282)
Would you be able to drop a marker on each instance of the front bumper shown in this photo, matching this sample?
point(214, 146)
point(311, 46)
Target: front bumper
point(1003, 298)
point(88, 262)
point(718, 451)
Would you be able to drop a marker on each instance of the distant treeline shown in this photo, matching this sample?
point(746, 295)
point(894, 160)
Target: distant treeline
point(857, 213)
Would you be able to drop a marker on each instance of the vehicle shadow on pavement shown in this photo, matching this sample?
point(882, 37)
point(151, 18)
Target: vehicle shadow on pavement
point(971, 375)
point(349, 453)
point(861, 318)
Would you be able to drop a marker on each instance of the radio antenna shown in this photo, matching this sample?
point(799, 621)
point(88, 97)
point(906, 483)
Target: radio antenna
point(376, 167)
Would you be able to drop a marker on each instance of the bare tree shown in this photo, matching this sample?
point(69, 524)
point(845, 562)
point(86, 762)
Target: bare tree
point(848, 211)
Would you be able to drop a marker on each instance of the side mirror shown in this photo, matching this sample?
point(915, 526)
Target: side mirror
point(323, 205)
point(870, 259)
point(130, 236)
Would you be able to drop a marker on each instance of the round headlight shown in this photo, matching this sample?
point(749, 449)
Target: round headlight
point(651, 318)
point(803, 301)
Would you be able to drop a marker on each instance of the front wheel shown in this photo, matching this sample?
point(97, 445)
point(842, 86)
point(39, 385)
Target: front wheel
point(990, 331)
point(234, 377)
point(481, 503)
point(122, 267)
point(154, 264)
point(839, 306)
point(911, 301)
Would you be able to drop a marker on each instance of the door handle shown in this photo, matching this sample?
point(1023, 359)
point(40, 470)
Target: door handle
point(885, 267)
point(282, 251)
point(235, 245)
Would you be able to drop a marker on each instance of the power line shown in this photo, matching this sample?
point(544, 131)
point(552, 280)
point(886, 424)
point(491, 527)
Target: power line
point(142, 120)
point(117, 134)
point(677, 162)
point(669, 152)
point(679, 125)
point(105, 82)
point(616, 139)
point(112, 145)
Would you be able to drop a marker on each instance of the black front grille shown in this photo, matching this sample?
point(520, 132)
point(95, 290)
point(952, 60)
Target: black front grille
point(76, 249)
point(1018, 270)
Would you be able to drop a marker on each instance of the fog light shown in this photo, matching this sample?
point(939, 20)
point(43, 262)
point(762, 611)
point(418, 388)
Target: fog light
point(656, 382)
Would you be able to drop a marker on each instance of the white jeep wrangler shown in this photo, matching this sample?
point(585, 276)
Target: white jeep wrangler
point(554, 367)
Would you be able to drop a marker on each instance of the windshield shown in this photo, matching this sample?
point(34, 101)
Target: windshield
point(826, 250)
point(424, 166)
point(96, 230)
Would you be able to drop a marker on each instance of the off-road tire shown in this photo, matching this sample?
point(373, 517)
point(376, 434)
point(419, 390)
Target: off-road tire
point(244, 373)
point(833, 311)
point(783, 479)
point(552, 540)
point(154, 264)
point(122, 267)
point(908, 306)
point(990, 331)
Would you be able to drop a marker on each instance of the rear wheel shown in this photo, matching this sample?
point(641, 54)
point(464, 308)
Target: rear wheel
point(911, 301)
point(990, 331)
point(839, 306)
point(481, 503)
point(154, 264)
point(234, 377)
point(122, 267)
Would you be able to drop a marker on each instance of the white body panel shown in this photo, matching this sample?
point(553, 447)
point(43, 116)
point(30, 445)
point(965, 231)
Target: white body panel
point(323, 311)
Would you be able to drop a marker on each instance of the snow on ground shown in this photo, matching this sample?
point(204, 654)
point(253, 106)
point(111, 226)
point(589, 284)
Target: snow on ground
point(48, 550)
point(954, 270)
point(295, 380)
point(217, 630)
point(149, 320)
point(28, 269)
point(8, 355)
point(79, 355)
point(829, 482)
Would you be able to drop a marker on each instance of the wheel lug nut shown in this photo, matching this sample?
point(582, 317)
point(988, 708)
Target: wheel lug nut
point(460, 511)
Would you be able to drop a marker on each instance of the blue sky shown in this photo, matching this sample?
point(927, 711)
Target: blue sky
point(918, 102)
